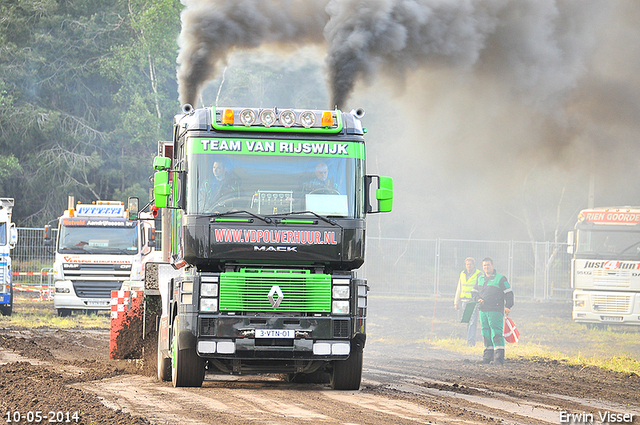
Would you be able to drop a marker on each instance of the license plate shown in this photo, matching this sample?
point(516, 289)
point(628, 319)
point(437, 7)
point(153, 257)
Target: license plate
point(97, 303)
point(611, 318)
point(275, 333)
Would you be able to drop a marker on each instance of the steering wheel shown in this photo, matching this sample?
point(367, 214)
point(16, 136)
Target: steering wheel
point(230, 202)
point(324, 191)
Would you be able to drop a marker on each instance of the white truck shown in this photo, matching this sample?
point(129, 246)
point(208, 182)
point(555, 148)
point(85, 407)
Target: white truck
point(98, 249)
point(605, 269)
point(8, 240)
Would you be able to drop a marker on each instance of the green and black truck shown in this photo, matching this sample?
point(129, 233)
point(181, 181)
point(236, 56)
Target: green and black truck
point(263, 231)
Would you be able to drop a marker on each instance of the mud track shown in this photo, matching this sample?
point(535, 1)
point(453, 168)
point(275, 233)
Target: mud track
point(406, 381)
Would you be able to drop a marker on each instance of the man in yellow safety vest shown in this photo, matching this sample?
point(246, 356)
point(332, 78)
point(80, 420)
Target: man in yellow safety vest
point(468, 279)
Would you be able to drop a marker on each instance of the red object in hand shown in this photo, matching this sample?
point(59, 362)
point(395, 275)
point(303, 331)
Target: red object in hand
point(511, 333)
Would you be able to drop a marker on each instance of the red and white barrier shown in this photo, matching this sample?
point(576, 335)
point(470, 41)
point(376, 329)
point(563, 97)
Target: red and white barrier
point(125, 305)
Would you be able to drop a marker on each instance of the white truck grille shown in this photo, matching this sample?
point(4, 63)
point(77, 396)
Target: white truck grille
point(609, 303)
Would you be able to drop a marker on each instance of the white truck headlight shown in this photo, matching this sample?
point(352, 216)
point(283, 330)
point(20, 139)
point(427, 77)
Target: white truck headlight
point(341, 292)
point(209, 289)
point(340, 307)
point(209, 304)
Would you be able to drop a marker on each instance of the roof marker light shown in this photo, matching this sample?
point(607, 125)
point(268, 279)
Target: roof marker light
point(287, 118)
point(268, 117)
point(248, 117)
point(227, 117)
point(327, 119)
point(307, 119)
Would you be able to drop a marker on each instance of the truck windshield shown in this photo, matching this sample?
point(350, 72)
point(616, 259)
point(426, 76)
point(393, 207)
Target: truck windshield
point(3, 233)
point(79, 239)
point(608, 243)
point(273, 184)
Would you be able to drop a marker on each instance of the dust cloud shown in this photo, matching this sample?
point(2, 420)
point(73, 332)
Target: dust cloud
point(494, 117)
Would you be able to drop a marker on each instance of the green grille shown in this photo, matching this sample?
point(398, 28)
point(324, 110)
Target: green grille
point(248, 290)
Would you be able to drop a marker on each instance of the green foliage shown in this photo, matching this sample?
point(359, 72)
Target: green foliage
point(87, 88)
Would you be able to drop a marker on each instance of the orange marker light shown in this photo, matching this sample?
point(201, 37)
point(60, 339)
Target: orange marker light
point(327, 119)
point(227, 117)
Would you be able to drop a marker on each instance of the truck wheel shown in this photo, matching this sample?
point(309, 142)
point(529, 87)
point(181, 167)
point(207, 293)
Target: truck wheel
point(64, 312)
point(187, 368)
point(164, 364)
point(347, 374)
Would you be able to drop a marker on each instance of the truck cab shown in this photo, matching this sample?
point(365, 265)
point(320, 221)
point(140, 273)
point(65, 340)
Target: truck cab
point(98, 250)
point(605, 269)
point(8, 241)
point(266, 216)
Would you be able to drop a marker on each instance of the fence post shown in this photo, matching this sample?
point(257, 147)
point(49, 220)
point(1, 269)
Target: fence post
point(436, 272)
point(510, 263)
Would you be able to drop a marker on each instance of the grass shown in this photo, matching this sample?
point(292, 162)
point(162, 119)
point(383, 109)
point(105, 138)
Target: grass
point(546, 329)
point(601, 342)
point(41, 314)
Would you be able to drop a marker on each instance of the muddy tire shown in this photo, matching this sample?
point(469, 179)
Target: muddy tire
point(347, 374)
point(187, 368)
point(164, 364)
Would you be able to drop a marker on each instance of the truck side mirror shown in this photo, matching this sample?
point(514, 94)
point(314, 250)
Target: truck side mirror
point(47, 235)
point(13, 236)
point(161, 188)
point(133, 206)
point(570, 245)
point(383, 194)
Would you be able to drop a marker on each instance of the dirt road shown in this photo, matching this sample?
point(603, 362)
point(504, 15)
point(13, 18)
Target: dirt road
point(406, 381)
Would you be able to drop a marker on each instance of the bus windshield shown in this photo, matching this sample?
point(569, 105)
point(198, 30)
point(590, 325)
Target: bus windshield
point(608, 243)
point(76, 238)
point(273, 184)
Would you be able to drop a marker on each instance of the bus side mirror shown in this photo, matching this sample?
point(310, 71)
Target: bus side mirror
point(133, 206)
point(570, 245)
point(47, 235)
point(13, 236)
point(383, 194)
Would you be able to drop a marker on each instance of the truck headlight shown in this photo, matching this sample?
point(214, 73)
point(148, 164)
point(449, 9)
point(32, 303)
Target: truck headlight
point(341, 292)
point(209, 304)
point(578, 303)
point(340, 307)
point(209, 290)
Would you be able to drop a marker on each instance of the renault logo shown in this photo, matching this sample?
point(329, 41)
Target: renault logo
point(279, 296)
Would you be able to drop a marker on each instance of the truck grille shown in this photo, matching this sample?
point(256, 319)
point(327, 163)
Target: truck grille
point(611, 303)
point(302, 291)
point(603, 277)
point(341, 328)
point(95, 288)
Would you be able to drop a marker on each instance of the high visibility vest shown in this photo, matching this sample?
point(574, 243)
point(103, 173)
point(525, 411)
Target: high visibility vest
point(466, 285)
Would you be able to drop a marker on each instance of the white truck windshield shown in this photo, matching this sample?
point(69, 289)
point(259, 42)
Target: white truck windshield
point(80, 239)
point(608, 243)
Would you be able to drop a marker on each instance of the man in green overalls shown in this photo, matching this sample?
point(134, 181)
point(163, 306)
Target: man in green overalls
point(495, 299)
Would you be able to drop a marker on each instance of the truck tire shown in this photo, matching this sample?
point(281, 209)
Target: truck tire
point(187, 368)
point(164, 364)
point(347, 374)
